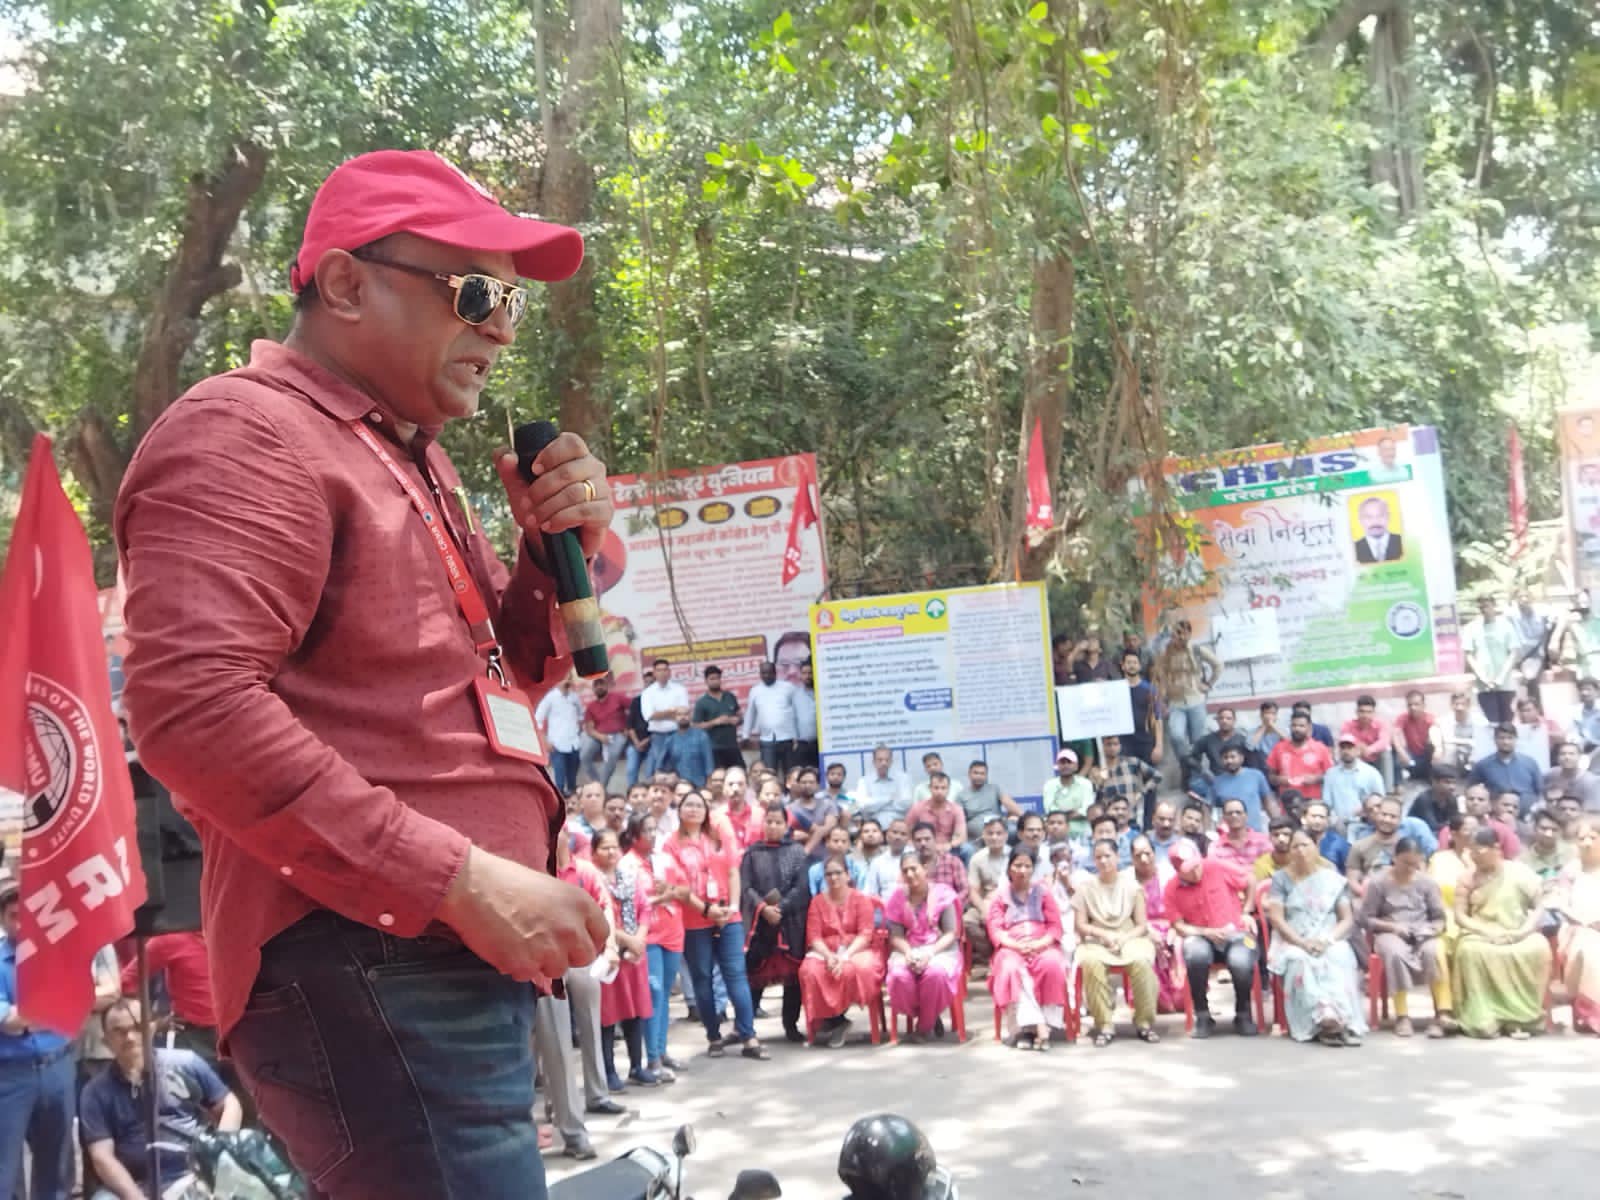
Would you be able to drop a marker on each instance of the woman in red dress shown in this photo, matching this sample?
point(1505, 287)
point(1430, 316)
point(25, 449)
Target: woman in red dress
point(1028, 974)
point(625, 1001)
point(841, 966)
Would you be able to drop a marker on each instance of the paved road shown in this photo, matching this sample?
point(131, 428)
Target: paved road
point(1265, 1119)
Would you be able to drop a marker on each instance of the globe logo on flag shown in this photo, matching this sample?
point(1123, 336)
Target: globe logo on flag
point(63, 769)
point(50, 773)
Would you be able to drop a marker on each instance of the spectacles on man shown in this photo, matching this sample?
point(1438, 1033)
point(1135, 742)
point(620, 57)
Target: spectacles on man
point(476, 296)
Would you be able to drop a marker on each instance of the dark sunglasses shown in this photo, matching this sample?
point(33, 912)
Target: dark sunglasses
point(477, 296)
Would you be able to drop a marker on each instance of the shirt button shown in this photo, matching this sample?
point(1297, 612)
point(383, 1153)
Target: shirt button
point(286, 871)
point(375, 417)
point(538, 594)
point(386, 919)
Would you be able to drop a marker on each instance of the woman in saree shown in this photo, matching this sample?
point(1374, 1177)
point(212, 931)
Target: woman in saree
point(841, 967)
point(1170, 977)
point(1028, 973)
point(1310, 913)
point(924, 937)
point(1502, 961)
point(1579, 903)
point(1450, 865)
point(1113, 932)
point(1404, 912)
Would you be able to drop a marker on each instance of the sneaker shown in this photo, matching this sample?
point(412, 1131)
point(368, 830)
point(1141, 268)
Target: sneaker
point(673, 1064)
point(1204, 1025)
point(665, 1074)
point(614, 1083)
point(1245, 1025)
point(761, 1014)
point(644, 1077)
point(837, 1034)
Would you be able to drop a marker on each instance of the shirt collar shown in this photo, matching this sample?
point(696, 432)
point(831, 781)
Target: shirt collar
point(329, 391)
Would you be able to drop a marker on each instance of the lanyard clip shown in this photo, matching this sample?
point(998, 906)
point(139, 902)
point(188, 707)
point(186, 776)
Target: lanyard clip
point(497, 672)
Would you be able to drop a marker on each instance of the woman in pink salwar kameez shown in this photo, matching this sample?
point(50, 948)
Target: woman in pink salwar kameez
point(925, 939)
point(1028, 974)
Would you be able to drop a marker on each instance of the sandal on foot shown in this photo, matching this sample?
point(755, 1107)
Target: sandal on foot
point(1403, 1028)
point(716, 1050)
point(1435, 1030)
point(1103, 1037)
point(1148, 1035)
point(754, 1049)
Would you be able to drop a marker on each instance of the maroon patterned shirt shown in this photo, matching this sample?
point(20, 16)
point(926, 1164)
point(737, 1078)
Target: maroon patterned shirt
point(299, 673)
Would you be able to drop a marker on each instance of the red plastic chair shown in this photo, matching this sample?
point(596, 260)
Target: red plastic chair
point(1377, 990)
point(874, 1021)
point(1256, 1001)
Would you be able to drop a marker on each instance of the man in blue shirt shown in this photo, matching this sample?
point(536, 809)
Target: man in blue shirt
point(1351, 781)
point(112, 1110)
point(1330, 843)
point(1507, 771)
point(36, 1076)
point(1235, 781)
point(1408, 827)
point(690, 753)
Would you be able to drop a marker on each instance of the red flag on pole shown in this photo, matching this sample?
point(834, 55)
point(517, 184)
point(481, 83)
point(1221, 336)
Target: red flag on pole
point(804, 516)
point(1041, 515)
point(61, 748)
point(1519, 494)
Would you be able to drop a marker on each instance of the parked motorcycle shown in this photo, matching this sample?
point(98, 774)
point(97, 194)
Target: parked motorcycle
point(643, 1173)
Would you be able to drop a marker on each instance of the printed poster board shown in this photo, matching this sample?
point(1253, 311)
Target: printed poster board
point(963, 671)
point(722, 530)
point(1580, 489)
point(1344, 540)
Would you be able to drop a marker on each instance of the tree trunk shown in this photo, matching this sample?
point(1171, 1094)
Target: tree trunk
point(567, 196)
point(1397, 161)
point(1049, 386)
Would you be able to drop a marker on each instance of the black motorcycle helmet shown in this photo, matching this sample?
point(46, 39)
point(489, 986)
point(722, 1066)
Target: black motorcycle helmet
point(885, 1157)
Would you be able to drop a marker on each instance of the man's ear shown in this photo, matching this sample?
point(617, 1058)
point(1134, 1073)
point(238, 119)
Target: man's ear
point(341, 285)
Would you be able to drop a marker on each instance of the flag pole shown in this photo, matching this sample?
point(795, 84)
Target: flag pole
point(152, 1164)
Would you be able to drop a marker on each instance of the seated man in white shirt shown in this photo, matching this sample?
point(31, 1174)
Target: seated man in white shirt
point(882, 792)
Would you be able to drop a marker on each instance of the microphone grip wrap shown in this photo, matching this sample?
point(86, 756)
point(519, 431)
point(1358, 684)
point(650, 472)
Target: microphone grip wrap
point(575, 599)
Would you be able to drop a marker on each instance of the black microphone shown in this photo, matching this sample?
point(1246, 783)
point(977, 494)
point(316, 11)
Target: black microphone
point(575, 601)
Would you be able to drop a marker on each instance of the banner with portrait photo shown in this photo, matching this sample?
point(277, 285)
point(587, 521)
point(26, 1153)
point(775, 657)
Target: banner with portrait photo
point(692, 570)
point(1580, 488)
point(1343, 540)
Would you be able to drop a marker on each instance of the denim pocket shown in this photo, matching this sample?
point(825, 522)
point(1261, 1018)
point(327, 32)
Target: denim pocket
point(280, 1052)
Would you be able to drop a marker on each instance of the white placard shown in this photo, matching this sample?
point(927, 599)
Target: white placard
point(1245, 633)
point(1095, 710)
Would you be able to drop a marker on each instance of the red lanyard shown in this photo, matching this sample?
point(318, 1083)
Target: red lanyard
point(468, 598)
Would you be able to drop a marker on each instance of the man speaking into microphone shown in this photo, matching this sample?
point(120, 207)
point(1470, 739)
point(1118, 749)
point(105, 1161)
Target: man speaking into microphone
point(335, 675)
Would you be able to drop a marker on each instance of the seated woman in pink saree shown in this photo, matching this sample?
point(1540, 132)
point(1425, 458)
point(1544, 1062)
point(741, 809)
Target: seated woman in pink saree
point(1579, 936)
point(1028, 973)
point(925, 940)
point(1170, 977)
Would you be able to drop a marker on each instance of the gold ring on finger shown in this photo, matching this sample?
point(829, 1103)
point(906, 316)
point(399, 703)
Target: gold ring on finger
point(588, 490)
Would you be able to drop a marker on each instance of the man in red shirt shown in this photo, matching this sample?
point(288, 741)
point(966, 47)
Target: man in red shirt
point(1374, 736)
point(1299, 761)
point(1417, 737)
point(1206, 901)
point(948, 820)
point(323, 653)
point(605, 730)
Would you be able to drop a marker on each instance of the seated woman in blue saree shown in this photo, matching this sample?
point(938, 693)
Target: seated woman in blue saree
point(1309, 908)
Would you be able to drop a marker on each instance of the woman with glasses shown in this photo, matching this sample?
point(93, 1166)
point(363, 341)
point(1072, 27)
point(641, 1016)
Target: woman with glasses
point(1028, 973)
point(841, 966)
point(924, 973)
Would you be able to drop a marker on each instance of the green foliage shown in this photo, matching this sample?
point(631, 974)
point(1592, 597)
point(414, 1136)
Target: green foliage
point(821, 225)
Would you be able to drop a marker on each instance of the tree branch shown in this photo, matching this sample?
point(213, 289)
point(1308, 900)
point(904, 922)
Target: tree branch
point(1343, 22)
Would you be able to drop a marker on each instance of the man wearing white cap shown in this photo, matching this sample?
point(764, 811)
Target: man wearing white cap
point(335, 675)
point(1069, 792)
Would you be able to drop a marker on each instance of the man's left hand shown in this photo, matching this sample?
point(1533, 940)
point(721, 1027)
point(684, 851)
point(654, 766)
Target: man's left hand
point(558, 499)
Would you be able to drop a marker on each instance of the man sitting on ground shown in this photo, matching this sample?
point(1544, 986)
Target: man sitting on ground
point(1117, 810)
point(1206, 902)
point(1163, 833)
point(1375, 851)
point(884, 874)
point(111, 1111)
point(941, 866)
point(1418, 740)
point(1374, 737)
point(1476, 801)
point(1281, 831)
point(1192, 825)
point(1206, 759)
point(1069, 792)
point(1299, 761)
point(1350, 782)
point(1548, 851)
point(979, 800)
point(1437, 802)
point(1132, 778)
point(1567, 777)
point(1237, 843)
point(948, 821)
point(1509, 770)
point(1412, 827)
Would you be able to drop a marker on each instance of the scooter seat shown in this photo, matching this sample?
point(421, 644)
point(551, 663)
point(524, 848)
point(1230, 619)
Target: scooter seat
point(619, 1179)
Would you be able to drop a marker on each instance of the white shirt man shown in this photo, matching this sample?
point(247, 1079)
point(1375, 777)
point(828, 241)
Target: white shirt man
point(660, 701)
point(882, 793)
point(560, 715)
point(805, 714)
point(769, 709)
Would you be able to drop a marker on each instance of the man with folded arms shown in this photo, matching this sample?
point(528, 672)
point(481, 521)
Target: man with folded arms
point(335, 675)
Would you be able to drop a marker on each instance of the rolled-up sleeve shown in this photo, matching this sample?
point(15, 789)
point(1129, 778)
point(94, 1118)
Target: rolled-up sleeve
point(226, 543)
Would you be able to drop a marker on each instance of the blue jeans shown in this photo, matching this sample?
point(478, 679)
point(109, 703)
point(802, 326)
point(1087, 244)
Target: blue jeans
point(37, 1107)
point(564, 770)
point(636, 759)
point(1185, 727)
point(663, 965)
point(395, 1067)
point(725, 947)
point(660, 743)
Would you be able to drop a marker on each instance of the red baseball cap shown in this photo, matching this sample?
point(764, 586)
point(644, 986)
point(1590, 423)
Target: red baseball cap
point(415, 191)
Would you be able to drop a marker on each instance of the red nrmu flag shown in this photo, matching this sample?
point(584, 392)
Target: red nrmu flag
point(1519, 494)
point(61, 748)
point(804, 516)
point(1041, 515)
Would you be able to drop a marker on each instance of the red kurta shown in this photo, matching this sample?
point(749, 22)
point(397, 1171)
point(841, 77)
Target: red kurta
point(836, 926)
